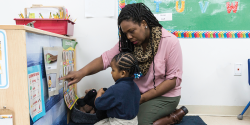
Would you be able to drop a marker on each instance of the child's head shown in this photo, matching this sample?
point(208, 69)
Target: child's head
point(124, 65)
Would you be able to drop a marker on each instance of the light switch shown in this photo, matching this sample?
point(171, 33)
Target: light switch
point(237, 69)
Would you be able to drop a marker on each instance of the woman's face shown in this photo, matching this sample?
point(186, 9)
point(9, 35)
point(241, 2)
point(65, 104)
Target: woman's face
point(136, 33)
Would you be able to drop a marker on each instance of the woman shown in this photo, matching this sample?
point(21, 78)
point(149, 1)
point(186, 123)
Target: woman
point(160, 60)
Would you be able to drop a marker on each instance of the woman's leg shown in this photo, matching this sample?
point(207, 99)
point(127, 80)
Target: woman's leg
point(156, 108)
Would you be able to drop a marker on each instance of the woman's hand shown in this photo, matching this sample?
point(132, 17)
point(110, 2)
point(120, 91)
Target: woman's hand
point(142, 100)
point(93, 67)
point(73, 77)
point(161, 89)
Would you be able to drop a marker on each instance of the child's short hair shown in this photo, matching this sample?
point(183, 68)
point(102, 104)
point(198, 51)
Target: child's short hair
point(127, 61)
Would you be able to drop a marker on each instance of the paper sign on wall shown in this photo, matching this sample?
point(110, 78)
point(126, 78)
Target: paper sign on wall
point(36, 98)
point(99, 8)
point(70, 96)
point(54, 69)
point(4, 72)
point(164, 16)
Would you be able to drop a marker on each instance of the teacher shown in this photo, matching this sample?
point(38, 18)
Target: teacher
point(160, 60)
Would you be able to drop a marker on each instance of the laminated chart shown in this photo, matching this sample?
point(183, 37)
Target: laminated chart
point(70, 96)
point(53, 66)
point(36, 98)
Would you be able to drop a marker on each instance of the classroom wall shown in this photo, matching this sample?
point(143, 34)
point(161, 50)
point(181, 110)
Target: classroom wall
point(208, 63)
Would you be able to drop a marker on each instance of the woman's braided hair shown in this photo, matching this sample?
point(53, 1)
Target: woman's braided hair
point(136, 12)
point(126, 61)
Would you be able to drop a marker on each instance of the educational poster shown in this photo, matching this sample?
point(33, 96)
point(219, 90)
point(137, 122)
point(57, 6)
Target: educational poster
point(54, 67)
point(200, 18)
point(70, 96)
point(4, 72)
point(36, 99)
point(55, 105)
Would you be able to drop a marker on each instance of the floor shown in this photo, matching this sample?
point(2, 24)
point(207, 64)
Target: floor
point(216, 120)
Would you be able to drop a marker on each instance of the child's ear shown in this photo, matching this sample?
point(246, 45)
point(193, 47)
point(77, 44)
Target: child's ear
point(123, 73)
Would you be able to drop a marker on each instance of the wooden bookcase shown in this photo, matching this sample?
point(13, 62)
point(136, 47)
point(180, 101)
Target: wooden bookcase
point(15, 97)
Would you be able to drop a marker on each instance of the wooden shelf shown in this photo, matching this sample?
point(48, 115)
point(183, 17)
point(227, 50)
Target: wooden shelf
point(15, 97)
point(33, 30)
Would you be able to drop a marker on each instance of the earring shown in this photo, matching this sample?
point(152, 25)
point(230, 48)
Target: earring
point(146, 27)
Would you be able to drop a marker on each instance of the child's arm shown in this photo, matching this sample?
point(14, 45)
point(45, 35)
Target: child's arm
point(99, 93)
point(105, 101)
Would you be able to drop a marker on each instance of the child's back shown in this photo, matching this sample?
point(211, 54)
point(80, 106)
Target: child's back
point(121, 100)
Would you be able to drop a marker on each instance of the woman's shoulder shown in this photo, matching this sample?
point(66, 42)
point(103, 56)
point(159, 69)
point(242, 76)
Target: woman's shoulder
point(168, 43)
point(168, 38)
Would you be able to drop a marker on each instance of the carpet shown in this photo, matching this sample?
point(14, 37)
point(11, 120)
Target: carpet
point(187, 120)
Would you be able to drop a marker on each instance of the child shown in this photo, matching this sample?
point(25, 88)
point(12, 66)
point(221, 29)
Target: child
point(120, 101)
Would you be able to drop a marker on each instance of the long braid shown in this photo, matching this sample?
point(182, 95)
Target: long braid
point(126, 61)
point(136, 12)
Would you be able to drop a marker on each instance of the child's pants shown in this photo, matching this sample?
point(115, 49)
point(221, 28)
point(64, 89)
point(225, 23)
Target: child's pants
point(101, 114)
point(116, 121)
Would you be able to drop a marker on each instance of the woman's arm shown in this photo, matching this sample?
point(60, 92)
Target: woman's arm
point(93, 67)
point(161, 89)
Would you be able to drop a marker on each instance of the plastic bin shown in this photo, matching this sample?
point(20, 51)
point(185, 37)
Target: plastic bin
point(59, 26)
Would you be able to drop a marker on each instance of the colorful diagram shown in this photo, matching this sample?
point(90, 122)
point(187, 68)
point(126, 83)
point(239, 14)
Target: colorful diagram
point(68, 65)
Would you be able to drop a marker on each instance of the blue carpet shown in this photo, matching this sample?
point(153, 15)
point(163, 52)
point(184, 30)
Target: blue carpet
point(192, 120)
point(187, 120)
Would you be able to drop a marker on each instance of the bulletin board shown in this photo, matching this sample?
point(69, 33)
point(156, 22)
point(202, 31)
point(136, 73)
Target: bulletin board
point(202, 18)
point(56, 113)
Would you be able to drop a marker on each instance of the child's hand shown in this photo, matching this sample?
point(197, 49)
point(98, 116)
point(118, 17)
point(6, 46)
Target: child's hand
point(101, 91)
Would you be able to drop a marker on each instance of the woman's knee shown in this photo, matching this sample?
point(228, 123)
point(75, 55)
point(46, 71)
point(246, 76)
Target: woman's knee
point(145, 120)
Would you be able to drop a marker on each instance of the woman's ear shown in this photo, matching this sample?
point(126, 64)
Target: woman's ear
point(144, 23)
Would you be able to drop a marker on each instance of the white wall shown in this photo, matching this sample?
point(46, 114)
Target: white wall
point(208, 77)
point(208, 63)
